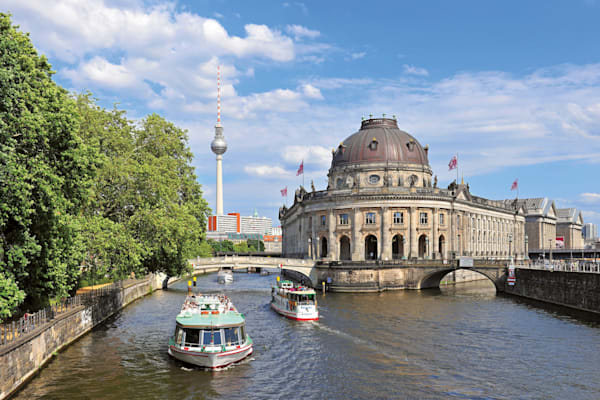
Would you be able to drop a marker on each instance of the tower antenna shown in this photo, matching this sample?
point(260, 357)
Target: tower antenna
point(218, 94)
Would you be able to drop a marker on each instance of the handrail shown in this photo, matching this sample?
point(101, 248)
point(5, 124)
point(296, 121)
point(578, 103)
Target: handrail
point(564, 266)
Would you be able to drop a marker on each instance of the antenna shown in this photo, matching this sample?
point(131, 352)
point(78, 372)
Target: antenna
point(218, 94)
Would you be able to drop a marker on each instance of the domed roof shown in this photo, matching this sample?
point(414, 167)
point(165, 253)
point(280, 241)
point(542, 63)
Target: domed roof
point(380, 140)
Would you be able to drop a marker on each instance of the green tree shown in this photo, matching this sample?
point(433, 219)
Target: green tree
point(241, 247)
point(205, 250)
point(45, 174)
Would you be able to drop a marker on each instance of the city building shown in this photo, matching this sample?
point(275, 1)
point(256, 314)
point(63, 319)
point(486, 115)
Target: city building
point(540, 222)
point(382, 202)
point(590, 231)
point(568, 228)
point(238, 228)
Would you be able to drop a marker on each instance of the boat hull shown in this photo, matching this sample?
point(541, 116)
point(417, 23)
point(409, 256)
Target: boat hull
point(295, 316)
point(211, 360)
point(224, 277)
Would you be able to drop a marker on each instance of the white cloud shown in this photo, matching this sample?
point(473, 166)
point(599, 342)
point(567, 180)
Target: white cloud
point(299, 31)
point(268, 171)
point(356, 56)
point(590, 198)
point(412, 70)
point(318, 156)
point(311, 92)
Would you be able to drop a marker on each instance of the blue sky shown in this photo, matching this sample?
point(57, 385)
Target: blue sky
point(512, 87)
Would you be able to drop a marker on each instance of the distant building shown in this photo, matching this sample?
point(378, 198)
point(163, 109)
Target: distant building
point(238, 228)
point(590, 231)
point(540, 222)
point(568, 227)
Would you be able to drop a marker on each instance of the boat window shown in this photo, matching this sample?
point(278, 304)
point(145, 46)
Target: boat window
point(231, 336)
point(206, 337)
point(217, 337)
point(243, 335)
point(192, 337)
point(178, 335)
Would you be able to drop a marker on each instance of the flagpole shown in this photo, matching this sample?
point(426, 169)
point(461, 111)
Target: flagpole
point(457, 168)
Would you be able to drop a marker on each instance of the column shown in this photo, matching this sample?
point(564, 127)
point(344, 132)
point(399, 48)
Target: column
point(412, 237)
point(331, 253)
point(357, 248)
point(434, 233)
point(314, 237)
point(385, 248)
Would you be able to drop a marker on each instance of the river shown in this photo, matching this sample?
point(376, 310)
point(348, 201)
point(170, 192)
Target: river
point(462, 343)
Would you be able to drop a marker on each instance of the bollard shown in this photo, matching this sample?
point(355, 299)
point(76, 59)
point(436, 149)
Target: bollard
point(323, 284)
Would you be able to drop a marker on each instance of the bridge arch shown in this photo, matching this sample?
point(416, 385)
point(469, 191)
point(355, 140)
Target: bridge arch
point(433, 279)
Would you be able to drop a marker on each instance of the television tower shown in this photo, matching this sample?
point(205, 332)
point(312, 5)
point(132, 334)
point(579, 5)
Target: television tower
point(219, 146)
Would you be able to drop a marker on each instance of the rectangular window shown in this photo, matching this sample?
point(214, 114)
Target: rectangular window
point(370, 218)
point(192, 337)
point(216, 336)
point(398, 217)
point(178, 335)
point(343, 219)
point(423, 218)
point(323, 220)
point(231, 336)
point(441, 219)
point(206, 338)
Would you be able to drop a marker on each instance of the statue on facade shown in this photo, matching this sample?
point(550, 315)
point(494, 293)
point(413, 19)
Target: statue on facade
point(312, 186)
point(412, 180)
point(435, 181)
point(349, 182)
point(400, 183)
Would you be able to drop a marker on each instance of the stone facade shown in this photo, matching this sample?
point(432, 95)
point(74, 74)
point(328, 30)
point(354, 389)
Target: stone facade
point(382, 204)
point(569, 226)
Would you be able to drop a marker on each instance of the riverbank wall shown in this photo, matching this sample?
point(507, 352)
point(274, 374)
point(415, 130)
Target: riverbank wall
point(22, 358)
point(577, 290)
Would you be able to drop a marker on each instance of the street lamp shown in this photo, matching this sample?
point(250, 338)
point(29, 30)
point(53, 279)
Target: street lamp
point(550, 247)
point(526, 247)
point(510, 239)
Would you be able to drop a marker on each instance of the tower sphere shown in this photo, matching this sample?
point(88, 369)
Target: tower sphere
point(218, 145)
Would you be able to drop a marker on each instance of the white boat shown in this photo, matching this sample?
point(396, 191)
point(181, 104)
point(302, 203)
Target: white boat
point(210, 332)
point(294, 301)
point(225, 276)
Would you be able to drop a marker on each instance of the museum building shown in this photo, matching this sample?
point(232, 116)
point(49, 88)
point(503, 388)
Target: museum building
point(382, 203)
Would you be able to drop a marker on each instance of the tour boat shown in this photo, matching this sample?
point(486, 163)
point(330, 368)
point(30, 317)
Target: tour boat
point(210, 332)
point(225, 276)
point(294, 302)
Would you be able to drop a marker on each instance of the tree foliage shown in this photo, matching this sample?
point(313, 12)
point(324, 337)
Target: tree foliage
point(82, 187)
point(45, 173)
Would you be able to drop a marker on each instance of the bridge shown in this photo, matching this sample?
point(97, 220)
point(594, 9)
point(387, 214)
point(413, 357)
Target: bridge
point(300, 266)
point(359, 276)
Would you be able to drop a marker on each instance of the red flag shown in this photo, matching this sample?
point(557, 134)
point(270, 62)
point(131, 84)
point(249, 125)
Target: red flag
point(453, 163)
point(515, 185)
point(300, 169)
point(284, 191)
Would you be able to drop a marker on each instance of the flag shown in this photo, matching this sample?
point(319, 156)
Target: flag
point(300, 168)
point(515, 185)
point(284, 192)
point(453, 163)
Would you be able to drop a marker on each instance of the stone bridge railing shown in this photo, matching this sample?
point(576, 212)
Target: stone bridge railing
point(244, 261)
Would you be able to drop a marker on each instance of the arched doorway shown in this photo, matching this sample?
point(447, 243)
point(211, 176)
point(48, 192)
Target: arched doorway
point(423, 244)
point(370, 248)
point(345, 248)
point(397, 247)
point(323, 247)
point(442, 246)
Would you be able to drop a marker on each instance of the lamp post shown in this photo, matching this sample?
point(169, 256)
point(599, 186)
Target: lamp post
point(510, 239)
point(426, 247)
point(526, 247)
point(310, 249)
point(550, 247)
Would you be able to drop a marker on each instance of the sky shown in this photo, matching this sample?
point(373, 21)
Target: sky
point(512, 87)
